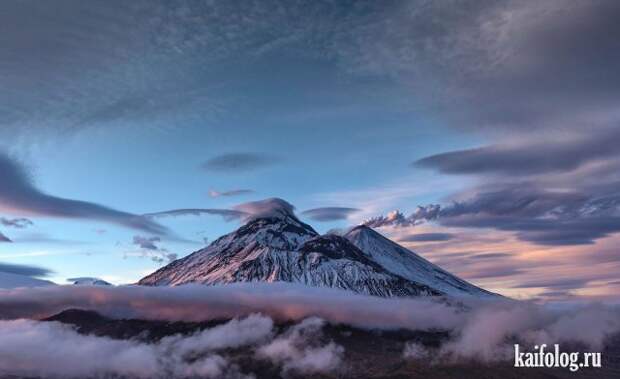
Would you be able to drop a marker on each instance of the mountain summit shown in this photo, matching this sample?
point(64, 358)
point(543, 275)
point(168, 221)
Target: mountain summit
point(276, 246)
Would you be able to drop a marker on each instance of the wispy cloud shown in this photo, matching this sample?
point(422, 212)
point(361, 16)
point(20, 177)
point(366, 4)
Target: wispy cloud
point(530, 157)
point(149, 249)
point(19, 195)
point(239, 162)
point(329, 213)
point(427, 237)
point(229, 193)
point(25, 270)
point(227, 214)
point(19, 223)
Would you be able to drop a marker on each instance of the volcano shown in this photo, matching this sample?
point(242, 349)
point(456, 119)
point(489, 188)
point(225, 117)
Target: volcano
point(278, 247)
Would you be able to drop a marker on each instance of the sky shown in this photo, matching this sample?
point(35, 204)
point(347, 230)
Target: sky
point(483, 135)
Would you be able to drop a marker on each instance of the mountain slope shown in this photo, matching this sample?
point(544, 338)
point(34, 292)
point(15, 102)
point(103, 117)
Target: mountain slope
point(403, 262)
point(285, 249)
point(279, 247)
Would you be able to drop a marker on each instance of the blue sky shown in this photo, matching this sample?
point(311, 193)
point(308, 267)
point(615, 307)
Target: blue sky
point(368, 105)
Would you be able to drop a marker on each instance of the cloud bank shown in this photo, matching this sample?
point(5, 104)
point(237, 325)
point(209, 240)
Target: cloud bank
point(56, 350)
point(484, 332)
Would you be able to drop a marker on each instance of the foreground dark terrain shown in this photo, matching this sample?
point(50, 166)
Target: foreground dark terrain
point(367, 354)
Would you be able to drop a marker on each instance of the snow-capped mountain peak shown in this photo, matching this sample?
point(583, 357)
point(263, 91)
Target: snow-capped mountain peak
point(277, 246)
point(403, 262)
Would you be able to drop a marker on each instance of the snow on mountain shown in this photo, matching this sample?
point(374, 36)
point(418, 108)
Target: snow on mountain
point(9, 281)
point(409, 265)
point(88, 281)
point(277, 246)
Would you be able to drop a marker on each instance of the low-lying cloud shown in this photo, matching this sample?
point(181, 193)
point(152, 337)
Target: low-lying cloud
point(52, 349)
point(56, 350)
point(299, 350)
point(477, 332)
point(482, 331)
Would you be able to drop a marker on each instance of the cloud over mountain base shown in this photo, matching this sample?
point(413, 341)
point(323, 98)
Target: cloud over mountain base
point(261, 327)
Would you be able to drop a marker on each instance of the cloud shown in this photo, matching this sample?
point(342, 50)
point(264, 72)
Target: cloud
point(427, 237)
point(553, 217)
point(281, 301)
point(537, 157)
point(556, 283)
point(329, 213)
point(18, 195)
point(239, 162)
point(151, 250)
point(396, 218)
point(146, 242)
point(227, 214)
point(271, 207)
point(19, 223)
point(299, 350)
point(25, 270)
point(54, 349)
point(235, 192)
point(483, 330)
point(550, 175)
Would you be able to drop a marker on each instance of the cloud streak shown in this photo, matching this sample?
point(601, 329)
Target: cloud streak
point(19, 195)
point(230, 193)
point(329, 213)
point(239, 162)
point(19, 223)
point(227, 214)
point(149, 248)
point(25, 270)
point(536, 157)
point(427, 237)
